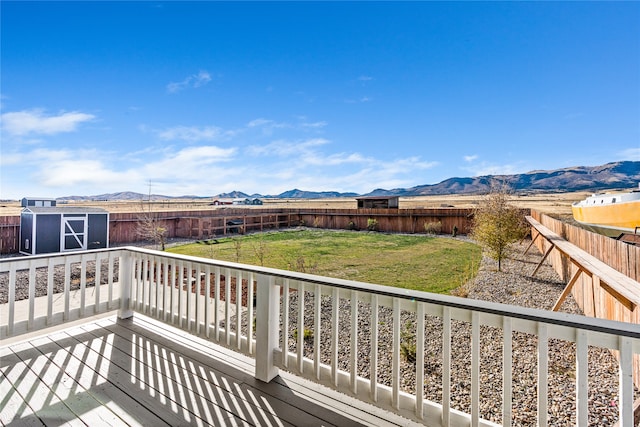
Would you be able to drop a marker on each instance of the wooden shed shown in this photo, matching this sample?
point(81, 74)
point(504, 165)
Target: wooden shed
point(37, 202)
point(62, 229)
point(378, 202)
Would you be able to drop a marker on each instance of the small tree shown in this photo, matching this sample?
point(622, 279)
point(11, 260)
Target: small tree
point(149, 228)
point(497, 224)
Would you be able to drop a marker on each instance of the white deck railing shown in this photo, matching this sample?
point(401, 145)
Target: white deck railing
point(336, 332)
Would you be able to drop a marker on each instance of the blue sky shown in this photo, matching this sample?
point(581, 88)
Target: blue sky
point(208, 97)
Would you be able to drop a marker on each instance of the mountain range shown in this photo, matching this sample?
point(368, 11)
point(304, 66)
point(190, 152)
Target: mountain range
point(616, 175)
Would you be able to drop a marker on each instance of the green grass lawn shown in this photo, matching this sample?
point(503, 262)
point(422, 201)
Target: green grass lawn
point(416, 262)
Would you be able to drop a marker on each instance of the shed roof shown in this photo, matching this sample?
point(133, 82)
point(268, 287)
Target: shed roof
point(64, 209)
point(377, 197)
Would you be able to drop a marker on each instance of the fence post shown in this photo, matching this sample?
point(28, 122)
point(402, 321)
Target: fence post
point(125, 277)
point(267, 325)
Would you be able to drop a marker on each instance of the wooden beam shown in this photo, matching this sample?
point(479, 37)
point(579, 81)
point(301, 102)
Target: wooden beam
point(567, 289)
point(532, 241)
point(630, 305)
point(543, 258)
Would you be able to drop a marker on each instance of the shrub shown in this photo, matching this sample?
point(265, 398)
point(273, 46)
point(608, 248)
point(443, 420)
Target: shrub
point(408, 344)
point(301, 265)
point(433, 227)
point(372, 224)
point(306, 335)
point(497, 224)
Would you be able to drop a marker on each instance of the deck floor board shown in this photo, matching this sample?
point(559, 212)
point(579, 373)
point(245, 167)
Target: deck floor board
point(141, 372)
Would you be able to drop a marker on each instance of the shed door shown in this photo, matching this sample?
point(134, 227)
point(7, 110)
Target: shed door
point(74, 232)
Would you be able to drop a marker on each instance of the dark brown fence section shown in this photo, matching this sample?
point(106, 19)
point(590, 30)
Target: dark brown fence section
point(389, 220)
point(210, 223)
point(205, 224)
point(9, 234)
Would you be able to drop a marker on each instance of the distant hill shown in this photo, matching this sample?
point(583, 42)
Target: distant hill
point(299, 194)
point(616, 175)
point(234, 195)
point(123, 195)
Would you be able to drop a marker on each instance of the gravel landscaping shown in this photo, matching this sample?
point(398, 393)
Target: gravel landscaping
point(514, 285)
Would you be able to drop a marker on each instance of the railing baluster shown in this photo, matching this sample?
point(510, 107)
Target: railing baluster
point(543, 371)
point(300, 343)
point(144, 284)
point(111, 274)
point(507, 357)
point(625, 366)
point(155, 288)
point(395, 356)
point(239, 309)
point(67, 287)
point(207, 301)
point(285, 323)
point(475, 368)
point(335, 300)
point(582, 374)
point(181, 286)
point(199, 298)
point(354, 342)
point(317, 330)
point(137, 284)
point(165, 285)
point(83, 284)
point(216, 304)
point(12, 297)
point(250, 299)
point(172, 291)
point(32, 296)
point(188, 285)
point(446, 366)
point(97, 278)
point(420, 361)
point(373, 356)
point(227, 305)
point(50, 276)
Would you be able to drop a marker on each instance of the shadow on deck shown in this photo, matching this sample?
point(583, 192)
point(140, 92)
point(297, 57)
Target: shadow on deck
point(140, 372)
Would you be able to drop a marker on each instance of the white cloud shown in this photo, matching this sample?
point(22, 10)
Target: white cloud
point(631, 154)
point(72, 172)
point(259, 122)
point(192, 163)
point(192, 81)
point(470, 158)
point(315, 125)
point(284, 148)
point(267, 126)
point(334, 159)
point(194, 133)
point(20, 123)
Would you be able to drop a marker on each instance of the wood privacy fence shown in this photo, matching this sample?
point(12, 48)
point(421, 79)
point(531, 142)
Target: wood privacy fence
point(623, 257)
point(9, 234)
point(212, 223)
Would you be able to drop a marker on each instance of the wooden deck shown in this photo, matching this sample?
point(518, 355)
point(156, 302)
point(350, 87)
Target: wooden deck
point(141, 372)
